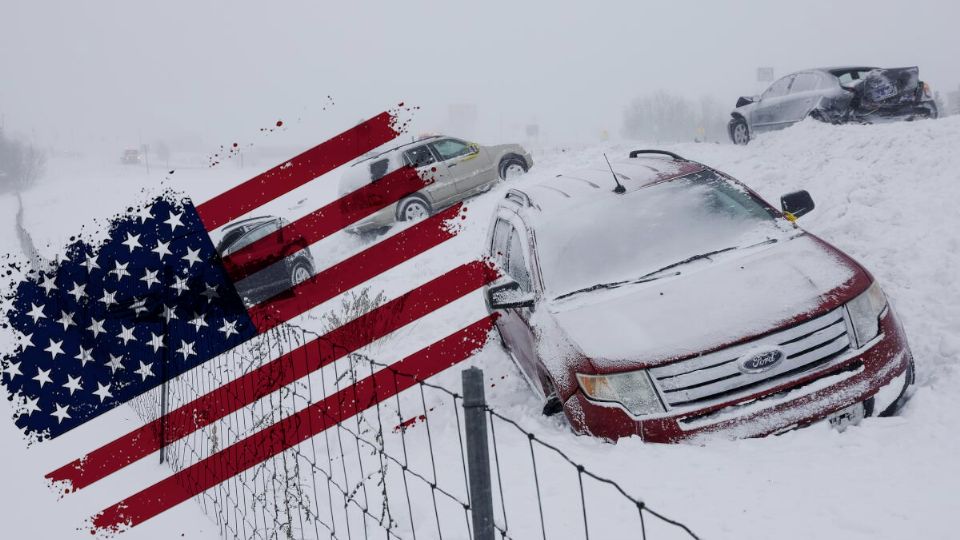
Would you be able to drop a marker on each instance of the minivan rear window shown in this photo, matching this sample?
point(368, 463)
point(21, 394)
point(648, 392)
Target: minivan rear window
point(378, 169)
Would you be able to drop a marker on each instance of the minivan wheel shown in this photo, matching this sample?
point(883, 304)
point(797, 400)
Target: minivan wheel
point(739, 132)
point(413, 209)
point(512, 168)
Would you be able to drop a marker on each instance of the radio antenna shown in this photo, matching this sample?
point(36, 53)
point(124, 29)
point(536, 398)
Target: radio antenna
point(619, 189)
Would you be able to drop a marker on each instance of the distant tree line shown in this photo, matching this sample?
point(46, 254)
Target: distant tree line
point(21, 163)
point(666, 117)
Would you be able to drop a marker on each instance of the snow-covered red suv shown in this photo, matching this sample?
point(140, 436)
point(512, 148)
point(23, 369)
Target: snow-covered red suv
point(668, 300)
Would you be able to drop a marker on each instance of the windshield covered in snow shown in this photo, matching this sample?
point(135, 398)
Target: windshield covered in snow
point(617, 238)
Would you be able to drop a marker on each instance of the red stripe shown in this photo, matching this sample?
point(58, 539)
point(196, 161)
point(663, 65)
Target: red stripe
point(282, 371)
point(354, 270)
point(323, 222)
point(293, 173)
point(294, 429)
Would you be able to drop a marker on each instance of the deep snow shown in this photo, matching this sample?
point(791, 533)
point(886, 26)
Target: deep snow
point(885, 195)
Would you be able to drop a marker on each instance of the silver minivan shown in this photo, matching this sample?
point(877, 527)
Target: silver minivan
point(460, 169)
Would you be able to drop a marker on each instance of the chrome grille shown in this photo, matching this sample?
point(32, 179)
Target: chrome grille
point(717, 375)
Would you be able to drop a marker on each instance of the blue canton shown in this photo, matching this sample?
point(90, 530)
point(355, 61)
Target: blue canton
point(114, 320)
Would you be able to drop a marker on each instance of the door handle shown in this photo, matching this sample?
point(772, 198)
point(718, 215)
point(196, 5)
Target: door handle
point(451, 165)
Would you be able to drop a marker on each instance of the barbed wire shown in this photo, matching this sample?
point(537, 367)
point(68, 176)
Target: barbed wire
point(360, 478)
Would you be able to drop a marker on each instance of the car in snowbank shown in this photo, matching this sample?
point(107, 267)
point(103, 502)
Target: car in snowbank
point(458, 169)
point(682, 304)
point(296, 266)
point(837, 95)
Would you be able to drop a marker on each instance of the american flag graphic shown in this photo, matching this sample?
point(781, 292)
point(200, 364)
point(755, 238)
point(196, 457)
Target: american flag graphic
point(115, 319)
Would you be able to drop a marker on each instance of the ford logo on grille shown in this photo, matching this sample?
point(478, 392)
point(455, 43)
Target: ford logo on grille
point(762, 361)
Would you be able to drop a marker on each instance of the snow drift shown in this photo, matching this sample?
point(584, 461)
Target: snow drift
point(885, 194)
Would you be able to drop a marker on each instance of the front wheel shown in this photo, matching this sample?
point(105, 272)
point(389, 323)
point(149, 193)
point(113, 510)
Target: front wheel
point(898, 403)
point(739, 132)
point(512, 168)
point(821, 115)
point(551, 404)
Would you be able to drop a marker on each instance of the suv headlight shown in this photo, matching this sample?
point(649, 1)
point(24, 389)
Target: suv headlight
point(633, 390)
point(865, 313)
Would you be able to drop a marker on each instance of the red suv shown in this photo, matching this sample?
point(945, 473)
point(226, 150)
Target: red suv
point(659, 297)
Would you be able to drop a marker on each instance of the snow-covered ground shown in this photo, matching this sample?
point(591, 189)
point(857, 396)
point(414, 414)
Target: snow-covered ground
point(885, 194)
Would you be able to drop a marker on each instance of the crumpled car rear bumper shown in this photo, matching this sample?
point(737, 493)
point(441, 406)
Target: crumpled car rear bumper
point(905, 111)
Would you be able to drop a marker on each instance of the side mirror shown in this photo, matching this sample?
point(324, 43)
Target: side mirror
point(797, 203)
point(744, 100)
point(474, 149)
point(509, 295)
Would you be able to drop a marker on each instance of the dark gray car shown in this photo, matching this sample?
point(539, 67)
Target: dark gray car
point(296, 266)
point(837, 95)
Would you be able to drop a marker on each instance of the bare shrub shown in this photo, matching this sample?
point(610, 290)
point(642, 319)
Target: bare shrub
point(21, 164)
point(665, 117)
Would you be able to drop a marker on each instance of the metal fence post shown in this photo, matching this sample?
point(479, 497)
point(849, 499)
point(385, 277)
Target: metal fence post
point(478, 454)
point(163, 389)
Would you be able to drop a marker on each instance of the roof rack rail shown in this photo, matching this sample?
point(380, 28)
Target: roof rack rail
point(636, 153)
point(518, 197)
point(370, 156)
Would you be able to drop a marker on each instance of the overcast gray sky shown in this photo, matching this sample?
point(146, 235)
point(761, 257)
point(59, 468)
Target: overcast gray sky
point(73, 72)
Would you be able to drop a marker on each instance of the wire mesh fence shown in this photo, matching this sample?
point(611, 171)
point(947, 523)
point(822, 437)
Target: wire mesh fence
point(389, 462)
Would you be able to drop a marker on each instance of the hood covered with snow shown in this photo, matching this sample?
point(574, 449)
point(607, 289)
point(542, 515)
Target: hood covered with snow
point(709, 304)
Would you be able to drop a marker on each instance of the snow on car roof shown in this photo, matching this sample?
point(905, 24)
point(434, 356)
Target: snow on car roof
point(566, 189)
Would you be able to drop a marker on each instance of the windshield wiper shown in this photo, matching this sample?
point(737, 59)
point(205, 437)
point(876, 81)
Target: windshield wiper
point(650, 276)
point(598, 286)
point(688, 260)
point(614, 285)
